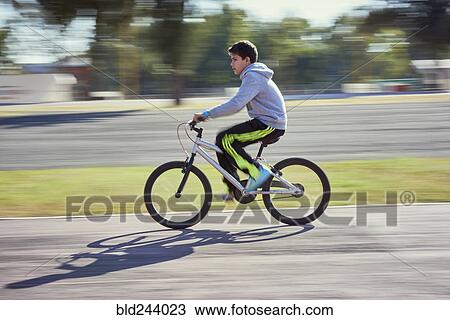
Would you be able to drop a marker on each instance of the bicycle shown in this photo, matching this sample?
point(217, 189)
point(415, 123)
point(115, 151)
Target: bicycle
point(287, 194)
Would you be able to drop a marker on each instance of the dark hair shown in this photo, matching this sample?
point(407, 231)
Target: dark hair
point(245, 48)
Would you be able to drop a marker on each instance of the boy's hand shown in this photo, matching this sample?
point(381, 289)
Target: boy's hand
point(198, 117)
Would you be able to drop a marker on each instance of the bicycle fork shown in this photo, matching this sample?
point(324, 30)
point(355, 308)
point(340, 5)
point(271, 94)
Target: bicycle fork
point(186, 170)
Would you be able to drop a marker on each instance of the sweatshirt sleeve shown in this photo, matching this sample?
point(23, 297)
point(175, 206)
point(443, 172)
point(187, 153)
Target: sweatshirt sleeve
point(249, 88)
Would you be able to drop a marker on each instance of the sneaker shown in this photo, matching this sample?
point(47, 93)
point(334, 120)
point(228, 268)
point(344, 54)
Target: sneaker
point(264, 174)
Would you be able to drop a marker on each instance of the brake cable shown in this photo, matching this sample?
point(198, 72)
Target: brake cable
point(179, 139)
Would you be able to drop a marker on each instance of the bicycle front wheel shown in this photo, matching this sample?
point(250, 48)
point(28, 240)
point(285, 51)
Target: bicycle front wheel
point(184, 211)
point(295, 209)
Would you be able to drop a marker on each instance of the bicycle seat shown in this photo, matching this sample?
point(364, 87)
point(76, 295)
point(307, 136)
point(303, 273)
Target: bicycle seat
point(266, 142)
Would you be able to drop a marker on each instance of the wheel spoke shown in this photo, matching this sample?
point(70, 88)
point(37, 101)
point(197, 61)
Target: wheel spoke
point(163, 205)
point(298, 209)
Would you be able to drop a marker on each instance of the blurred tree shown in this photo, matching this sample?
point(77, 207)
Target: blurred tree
point(395, 61)
point(166, 46)
point(347, 51)
point(373, 43)
point(379, 18)
point(433, 42)
point(291, 52)
point(169, 34)
point(3, 35)
point(112, 16)
point(57, 12)
point(214, 37)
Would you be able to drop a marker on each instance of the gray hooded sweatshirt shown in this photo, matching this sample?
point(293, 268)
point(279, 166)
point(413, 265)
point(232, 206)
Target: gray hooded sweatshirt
point(261, 96)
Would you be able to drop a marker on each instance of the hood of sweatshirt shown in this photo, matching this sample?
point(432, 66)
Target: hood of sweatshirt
point(258, 67)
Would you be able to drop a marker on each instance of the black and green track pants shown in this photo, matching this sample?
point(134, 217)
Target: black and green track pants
point(232, 142)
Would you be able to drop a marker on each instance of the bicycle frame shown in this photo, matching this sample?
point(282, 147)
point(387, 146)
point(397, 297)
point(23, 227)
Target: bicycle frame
point(197, 149)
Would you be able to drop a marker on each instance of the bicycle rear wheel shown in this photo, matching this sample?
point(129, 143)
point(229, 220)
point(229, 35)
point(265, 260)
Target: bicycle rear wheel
point(177, 212)
point(294, 209)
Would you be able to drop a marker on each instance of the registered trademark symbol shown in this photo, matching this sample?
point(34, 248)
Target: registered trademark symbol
point(407, 198)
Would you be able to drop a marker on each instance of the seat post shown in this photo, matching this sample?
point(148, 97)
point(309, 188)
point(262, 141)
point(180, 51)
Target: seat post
point(261, 148)
point(264, 143)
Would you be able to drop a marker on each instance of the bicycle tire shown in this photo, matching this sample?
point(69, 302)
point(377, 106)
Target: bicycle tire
point(198, 216)
point(326, 192)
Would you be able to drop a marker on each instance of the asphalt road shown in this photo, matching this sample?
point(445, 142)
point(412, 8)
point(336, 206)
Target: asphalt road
point(81, 259)
point(319, 133)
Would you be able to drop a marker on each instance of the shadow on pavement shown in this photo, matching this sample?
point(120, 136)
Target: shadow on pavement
point(54, 119)
point(142, 249)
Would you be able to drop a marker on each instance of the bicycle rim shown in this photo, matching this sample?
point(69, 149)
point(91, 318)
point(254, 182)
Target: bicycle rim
point(293, 209)
point(168, 209)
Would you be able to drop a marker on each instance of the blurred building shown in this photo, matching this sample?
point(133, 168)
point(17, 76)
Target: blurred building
point(36, 88)
point(436, 73)
point(64, 80)
point(69, 65)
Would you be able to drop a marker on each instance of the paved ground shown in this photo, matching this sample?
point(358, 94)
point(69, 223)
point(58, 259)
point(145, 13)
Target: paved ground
point(81, 259)
point(320, 133)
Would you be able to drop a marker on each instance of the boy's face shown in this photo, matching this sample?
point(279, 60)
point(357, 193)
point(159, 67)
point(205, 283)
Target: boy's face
point(238, 64)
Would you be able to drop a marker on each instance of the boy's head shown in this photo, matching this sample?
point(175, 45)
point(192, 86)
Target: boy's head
point(242, 54)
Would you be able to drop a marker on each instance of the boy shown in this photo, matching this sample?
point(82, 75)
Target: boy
point(265, 105)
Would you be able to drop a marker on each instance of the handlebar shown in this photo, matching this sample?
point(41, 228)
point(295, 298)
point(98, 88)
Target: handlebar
point(192, 125)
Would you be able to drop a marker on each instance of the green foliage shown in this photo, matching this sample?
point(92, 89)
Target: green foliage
point(169, 53)
point(3, 35)
point(432, 17)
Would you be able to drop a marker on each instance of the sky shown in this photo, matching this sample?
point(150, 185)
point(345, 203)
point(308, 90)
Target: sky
point(320, 13)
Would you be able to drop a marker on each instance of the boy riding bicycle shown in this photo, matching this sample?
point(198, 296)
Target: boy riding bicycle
point(265, 105)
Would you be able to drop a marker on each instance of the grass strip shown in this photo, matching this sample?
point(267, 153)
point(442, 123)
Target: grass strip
point(44, 192)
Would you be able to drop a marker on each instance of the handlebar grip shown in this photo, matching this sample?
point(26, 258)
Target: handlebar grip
point(192, 124)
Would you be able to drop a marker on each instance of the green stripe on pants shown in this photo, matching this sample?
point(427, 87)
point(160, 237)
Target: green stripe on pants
point(243, 164)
